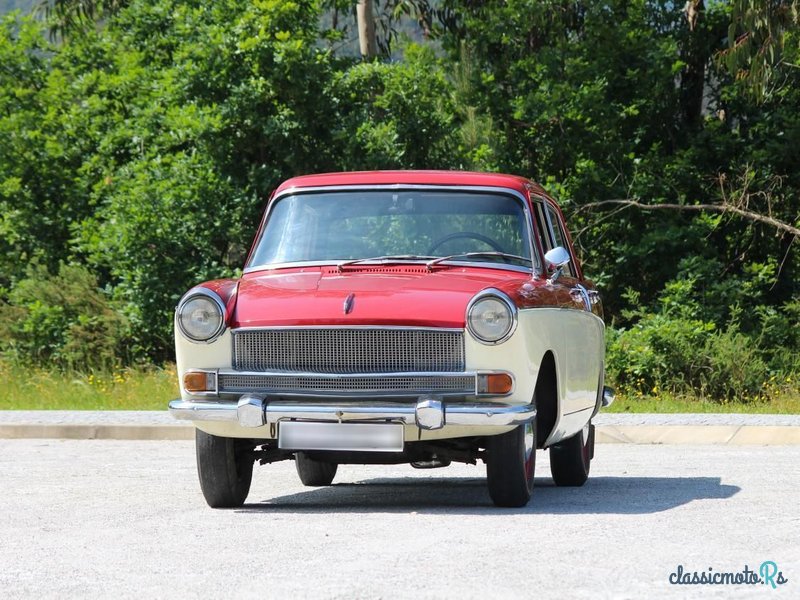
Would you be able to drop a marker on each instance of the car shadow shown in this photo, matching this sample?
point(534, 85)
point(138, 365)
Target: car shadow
point(468, 495)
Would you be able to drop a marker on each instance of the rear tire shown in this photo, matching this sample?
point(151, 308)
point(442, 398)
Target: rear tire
point(510, 465)
point(225, 469)
point(571, 459)
point(314, 473)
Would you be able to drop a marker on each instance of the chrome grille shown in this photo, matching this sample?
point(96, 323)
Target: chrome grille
point(349, 350)
point(384, 384)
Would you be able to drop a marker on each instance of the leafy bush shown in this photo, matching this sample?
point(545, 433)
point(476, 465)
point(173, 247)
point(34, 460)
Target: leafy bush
point(677, 348)
point(62, 320)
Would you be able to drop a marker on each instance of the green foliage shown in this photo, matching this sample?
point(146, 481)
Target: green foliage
point(677, 348)
point(144, 149)
point(62, 320)
point(396, 115)
point(756, 37)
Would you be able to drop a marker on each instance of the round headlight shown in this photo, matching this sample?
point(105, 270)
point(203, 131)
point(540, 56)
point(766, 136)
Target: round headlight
point(491, 318)
point(201, 318)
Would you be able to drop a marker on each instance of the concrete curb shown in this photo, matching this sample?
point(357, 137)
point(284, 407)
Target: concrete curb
point(19, 431)
point(732, 435)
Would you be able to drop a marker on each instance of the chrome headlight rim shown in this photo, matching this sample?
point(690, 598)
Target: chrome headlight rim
point(201, 293)
point(505, 299)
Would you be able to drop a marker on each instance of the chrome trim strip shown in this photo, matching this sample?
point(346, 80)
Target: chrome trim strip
point(538, 264)
point(378, 327)
point(470, 415)
point(201, 291)
point(345, 393)
point(375, 391)
point(334, 376)
point(507, 301)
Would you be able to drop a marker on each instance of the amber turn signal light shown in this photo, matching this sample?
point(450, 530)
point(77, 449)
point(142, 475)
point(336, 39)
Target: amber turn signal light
point(495, 384)
point(199, 381)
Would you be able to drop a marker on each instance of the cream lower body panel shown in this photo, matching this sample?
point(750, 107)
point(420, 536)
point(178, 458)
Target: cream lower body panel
point(575, 339)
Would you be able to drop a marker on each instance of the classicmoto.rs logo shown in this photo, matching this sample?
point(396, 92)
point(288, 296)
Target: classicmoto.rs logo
point(767, 574)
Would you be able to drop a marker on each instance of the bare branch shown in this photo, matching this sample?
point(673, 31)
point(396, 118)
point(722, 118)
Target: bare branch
point(719, 208)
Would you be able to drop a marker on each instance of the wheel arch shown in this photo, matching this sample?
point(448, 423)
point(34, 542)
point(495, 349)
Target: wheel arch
point(546, 398)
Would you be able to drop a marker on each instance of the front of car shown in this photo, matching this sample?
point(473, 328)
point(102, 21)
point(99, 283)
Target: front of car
point(375, 321)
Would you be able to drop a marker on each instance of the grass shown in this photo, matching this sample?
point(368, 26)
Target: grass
point(152, 388)
point(127, 389)
point(784, 402)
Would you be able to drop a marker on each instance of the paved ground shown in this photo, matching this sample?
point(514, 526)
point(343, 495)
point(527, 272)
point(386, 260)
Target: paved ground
point(730, 429)
point(125, 519)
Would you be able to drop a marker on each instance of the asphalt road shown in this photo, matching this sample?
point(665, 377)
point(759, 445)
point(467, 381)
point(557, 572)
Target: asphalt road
point(123, 519)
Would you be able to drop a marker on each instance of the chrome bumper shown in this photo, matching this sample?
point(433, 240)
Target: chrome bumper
point(608, 396)
point(428, 412)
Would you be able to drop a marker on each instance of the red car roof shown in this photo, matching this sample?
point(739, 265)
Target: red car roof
point(446, 178)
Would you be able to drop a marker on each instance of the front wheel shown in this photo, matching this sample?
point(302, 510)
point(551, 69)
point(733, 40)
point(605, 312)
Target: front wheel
point(510, 464)
point(225, 469)
point(571, 459)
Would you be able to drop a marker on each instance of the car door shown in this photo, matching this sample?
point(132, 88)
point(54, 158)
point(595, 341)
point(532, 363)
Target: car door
point(582, 346)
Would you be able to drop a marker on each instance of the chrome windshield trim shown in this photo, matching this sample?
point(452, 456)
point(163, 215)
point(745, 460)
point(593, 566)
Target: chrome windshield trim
point(536, 268)
point(333, 263)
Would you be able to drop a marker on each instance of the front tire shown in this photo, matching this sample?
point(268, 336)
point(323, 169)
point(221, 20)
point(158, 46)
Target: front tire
point(510, 465)
point(314, 473)
point(225, 469)
point(571, 459)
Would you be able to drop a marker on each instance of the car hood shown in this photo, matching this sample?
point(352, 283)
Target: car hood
point(383, 295)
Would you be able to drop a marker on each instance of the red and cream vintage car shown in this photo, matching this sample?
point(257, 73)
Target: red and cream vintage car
point(417, 317)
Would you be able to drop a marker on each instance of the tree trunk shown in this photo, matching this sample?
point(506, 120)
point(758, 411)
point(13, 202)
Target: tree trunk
point(695, 56)
point(366, 29)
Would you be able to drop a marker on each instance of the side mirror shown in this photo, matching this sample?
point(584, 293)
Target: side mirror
point(556, 258)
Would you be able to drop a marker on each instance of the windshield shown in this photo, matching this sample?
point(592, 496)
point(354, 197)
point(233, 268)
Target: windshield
point(385, 224)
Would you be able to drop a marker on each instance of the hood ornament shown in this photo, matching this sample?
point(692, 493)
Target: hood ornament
point(348, 303)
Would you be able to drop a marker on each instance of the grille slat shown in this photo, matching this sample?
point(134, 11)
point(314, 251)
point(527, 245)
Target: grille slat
point(398, 384)
point(348, 350)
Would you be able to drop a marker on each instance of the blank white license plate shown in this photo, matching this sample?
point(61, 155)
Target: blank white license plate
point(364, 437)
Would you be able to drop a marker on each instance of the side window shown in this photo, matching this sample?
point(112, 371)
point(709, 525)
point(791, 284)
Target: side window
point(559, 237)
point(540, 223)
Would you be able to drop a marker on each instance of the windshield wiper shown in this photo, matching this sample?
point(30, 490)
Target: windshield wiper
point(389, 258)
point(430, 264)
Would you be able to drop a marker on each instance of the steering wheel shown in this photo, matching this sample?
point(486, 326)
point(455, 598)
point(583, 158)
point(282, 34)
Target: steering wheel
point(466, 235)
